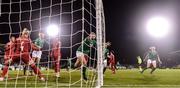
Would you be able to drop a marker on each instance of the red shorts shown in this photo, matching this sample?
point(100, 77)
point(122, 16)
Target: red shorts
point(25, 57)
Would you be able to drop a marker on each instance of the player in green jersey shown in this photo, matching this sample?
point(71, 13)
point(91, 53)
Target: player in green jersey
point(83, 52)
point(151, 58)
point(36, 55)
point(106, 55)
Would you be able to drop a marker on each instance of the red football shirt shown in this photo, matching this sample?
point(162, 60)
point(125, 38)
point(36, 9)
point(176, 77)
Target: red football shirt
point(56, 48)
point(25, 45)
point(9, 50)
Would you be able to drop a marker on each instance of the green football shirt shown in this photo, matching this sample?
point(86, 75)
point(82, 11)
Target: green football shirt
point(86, 45)
point(39, 42)
point(106, 53)
point(152, 55)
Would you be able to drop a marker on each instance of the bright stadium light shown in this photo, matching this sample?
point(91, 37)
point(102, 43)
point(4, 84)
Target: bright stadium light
point(52, 30)
point(158, 27)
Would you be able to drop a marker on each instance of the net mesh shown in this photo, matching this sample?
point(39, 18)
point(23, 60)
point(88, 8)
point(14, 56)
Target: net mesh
point(76, 19)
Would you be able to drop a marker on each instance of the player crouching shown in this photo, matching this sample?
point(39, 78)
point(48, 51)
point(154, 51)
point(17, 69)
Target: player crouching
point(83, 51)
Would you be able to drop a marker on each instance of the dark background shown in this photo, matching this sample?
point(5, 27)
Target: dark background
point(125, 25)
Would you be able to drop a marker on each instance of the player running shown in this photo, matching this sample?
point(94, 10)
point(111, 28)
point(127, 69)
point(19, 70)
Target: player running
point(22, 52)
point(83, 51)
point(56, 55)
point(152, 57)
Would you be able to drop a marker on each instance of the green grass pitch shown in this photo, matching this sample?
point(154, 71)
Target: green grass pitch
point(162, 78)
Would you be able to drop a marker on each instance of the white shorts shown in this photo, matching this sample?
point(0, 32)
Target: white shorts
point(36, 54)
point(79, 54)
point(149, 62)
point(105, 63)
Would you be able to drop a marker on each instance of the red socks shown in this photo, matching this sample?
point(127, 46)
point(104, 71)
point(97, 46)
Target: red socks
point(36, 70)
point(5, 70)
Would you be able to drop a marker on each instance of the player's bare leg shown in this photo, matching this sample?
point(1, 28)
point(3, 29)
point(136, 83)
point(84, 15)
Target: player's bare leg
point(154, 67)
point(4, 72)
point(37, 61)
point(57, 66)
point(144, 69)
point(81, 61)
point(140, 68)
point(5, 69)
point(105, 66)
point(78, 62)
point(148, 66)
point(113, 68)
point(104, 69)
point(30, 70)
point(24, 69)
point(28, 60)
point(84, 63)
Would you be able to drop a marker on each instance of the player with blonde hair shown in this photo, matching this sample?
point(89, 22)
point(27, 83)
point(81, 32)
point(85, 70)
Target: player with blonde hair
point(151, 58)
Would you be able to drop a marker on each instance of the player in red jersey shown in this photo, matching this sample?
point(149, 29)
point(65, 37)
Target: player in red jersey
point(9, 52)
point(9, 49)
point(112, 62)
point(56, 55)
point(22, 52)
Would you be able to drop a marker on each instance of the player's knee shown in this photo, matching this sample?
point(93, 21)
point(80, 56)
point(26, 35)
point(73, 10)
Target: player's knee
point(6, 65)
point(57, 63)
point(8, 62)
point(31, 62)
point(32, 65)
point(75, 65)
point(154, 66)
point(84, 63)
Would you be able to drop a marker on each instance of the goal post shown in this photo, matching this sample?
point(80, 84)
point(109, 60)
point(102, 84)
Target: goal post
point(100, 30)
point(74, 20)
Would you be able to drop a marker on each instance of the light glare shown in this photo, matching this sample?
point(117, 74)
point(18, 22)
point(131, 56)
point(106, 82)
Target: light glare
point(52, 30)
point(158, 27)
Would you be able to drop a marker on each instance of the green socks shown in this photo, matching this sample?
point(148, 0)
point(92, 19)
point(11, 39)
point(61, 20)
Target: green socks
point(84, 73)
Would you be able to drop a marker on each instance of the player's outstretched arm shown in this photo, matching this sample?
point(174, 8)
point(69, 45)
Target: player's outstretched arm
point(8, 46)
point(159, 60)
point(35, 47)
point(146, 57)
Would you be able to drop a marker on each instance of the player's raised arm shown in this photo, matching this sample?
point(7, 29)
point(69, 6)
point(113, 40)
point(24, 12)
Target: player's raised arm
point(146, 57)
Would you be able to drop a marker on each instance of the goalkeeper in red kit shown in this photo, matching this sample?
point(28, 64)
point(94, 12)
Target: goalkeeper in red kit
point(22, 52)
point(56, 55)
